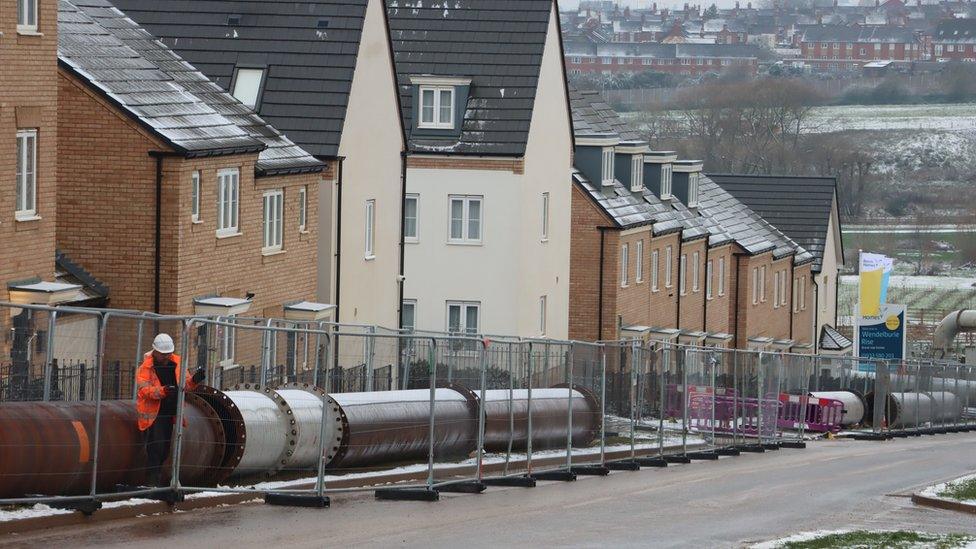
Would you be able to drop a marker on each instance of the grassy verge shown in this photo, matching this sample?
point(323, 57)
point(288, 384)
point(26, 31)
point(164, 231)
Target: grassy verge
point(869, 540)
point(962, 491)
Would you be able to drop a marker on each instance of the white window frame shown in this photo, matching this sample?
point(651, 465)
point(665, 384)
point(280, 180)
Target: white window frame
point(755, 285)
point(696, 272)
point(639, 266)
point(272, 221)
point(693, 182)
point(412, 304)
point(721, 276)
point(303, 209)
point(26, 202)
point(27, 9)
point(248, 93)
point(708, 279)
point(666, 173)
point(669, 264)
point(782, 293)
point(195, 196)
point(545, 217)
point(543, 313)
point(463, 318)
point(228, 202)
point(608, 168)
point(436, 122)
point(415, 237)
point(762, 284)
point(466, 201)
point(655, 264)
point(637, 173)
point(369, 228)
point(228, 342)
point(776, 288)
point(683, 274)
point(624, 264)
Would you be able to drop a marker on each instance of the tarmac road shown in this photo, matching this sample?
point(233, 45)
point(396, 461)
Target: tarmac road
point(727, 503)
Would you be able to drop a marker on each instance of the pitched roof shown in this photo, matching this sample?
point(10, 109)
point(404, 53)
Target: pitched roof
point(871, 34)
point(832, 340)
point(309, 49)
point(799, 206)
point(164, 93)
point(496, 43)
point(955, 31)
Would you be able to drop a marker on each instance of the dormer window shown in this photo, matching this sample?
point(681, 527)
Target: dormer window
point(637, 173)
point(608, 176)
point(247, 86)
point(665, 181)
point(437, 107)
point(693, 179)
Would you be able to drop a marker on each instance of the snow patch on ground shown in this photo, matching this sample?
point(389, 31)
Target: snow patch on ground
point(803, 536)
point(934, 490)
point(38, 510)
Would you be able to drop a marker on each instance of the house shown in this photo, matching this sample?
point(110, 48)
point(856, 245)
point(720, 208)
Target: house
point(661, 252)
point(805, 209)
point(321, 72)
point(174, 194)
point(487, 205)
point(954, 40)
point(587, 57)
point(836, 47)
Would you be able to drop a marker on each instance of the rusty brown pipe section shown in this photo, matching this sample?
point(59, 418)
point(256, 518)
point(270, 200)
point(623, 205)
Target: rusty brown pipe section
point(46, 448)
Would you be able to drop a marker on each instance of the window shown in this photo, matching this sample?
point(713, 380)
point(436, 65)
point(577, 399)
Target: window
point(228, 342)
point(465, 220)
point(938, 49)
point(27, 15)
point(408, 315)
point(606, 60)
point(463, 316)
point(608, 175)
point(755, 285)
point(26, 199)
point(436, 107)
point(782, 292)
point(637, 173)
point(273, 206)
point(411, 209)
point(669, 265)
point(624, 267)
point(762, 284)
point(666, 180)
point(776, 286)
point(721, 276)
point(708, 279)
point(370, 226)
point(228, 194)
point(950, 48)
point(654, 267)
point(247, 86)
point(693, 179)
point(545, 217)
point(639, 275)
point(682, 274)
point(576, 60)
point(302, 209)
point(695, 271)
point(542, 315)
point(195, 197)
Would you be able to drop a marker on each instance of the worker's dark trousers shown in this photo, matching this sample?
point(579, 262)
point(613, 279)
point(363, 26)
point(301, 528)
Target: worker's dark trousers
point(159, 435)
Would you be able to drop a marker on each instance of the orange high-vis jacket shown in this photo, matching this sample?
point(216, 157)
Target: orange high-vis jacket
point(150, 392)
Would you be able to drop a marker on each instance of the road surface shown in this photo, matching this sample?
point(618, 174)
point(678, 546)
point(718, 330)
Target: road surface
point(726, 503)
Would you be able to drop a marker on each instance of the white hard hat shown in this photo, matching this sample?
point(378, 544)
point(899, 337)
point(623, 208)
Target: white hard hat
point(164, 344)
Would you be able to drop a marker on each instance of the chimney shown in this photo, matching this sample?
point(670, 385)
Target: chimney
point(820, 19)
point(736, 4)
point(877, 3)
point(749, 5)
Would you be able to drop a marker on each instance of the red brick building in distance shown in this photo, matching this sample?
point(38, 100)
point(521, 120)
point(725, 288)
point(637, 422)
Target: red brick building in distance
point(835, 47)
point(954, 40)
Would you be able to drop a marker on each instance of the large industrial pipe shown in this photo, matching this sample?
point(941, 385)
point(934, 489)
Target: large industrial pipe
point(47, 447)
point(506, 416)
point(955, 322)
point(854, 405)
point(903, 409)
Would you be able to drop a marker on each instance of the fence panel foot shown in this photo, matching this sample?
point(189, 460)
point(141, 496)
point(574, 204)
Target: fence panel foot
point(728, 451)
point(407, 494)
point(590, 470)
point(87, 507)
point(517, 482)
point(297, 500)
point(465, 487)
point(562, 476)
point(710, 456)
point(677, 459)
point(751, 448)
point(626, 465)
point(795, 444)
point(652, 462)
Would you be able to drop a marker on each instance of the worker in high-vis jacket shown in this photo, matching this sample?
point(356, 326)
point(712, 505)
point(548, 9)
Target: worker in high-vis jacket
point(156, 397)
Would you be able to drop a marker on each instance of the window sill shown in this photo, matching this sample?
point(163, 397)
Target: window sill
point(28, 32)
point(462, 243)
point(196, 221)
point(369, 257)
point(221, 236)
point(625, 285)
point(266, 252)
point(655, 290)
point(435, 126)
point(302, 231)
point(27, 217)
point(544, 240)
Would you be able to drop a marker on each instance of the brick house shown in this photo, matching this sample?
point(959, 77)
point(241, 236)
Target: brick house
point(660, 251)
point(174, 194)
point(490, 147)
point(591, 57)
point(954, 40)
point(837, 47)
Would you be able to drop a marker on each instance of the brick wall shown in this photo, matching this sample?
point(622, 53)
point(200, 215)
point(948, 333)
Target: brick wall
point(692, 300)
point(717, 317)
point(664, 301)
point(28, 100)
point(514, 165)
point(634, 300)
point(803, 312)
point(584, 271)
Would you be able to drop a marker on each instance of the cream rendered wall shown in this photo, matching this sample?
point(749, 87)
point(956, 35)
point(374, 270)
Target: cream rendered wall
point(371, 144)
point(548, 168)
point(826, 279)
point(489, 273)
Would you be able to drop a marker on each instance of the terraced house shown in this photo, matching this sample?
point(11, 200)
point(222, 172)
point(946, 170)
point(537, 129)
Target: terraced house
point(487, 206)
point(662, 252)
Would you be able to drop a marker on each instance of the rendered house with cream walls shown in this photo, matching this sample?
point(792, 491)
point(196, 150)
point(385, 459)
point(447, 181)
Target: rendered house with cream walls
point(487, 209)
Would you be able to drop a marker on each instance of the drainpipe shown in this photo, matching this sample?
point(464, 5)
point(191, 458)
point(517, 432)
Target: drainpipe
point(599, 307)
point(403, 225)
point(705, 299)
point(158, 229)
point(792, 305)
point(338, 246)
point(677, 308)
point(816, 315)
point(738, 295)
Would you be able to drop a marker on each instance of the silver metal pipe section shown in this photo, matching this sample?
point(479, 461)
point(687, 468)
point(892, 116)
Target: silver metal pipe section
point(854, 405)
point(963, 320)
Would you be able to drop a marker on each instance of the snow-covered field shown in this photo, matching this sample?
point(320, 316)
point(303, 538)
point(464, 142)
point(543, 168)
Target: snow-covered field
point(955, 117)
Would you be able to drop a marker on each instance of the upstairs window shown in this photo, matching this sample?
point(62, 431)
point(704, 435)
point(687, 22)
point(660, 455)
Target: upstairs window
point(669, 265)
point(762, 284)
point(695, 271)
point(545, 217)
point(542, 314)
point(411, 203)
point(27, 15)
point(247, 86)
point(682, 274)
point(655, 259)
point(465, 221)
point(693, 180)
point(228, 195)
point(708, 279)
point(437, 107)
point(195, 197)
point(302, 209)
point(273, 220)
point(721, 276)
point(26, 199)
point(665, 181)
point(624, 264)
point(637, 173)
point(639, 276)
point(608, 174)
point(370, 226)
